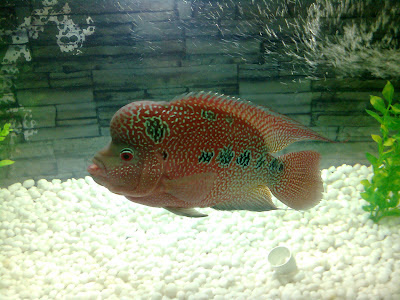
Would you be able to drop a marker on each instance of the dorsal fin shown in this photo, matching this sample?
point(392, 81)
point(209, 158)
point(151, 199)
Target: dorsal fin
point(277, 130)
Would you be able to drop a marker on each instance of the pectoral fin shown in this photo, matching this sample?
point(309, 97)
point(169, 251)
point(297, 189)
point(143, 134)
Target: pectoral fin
point(192, 188)
point(187, 212)
point(255, 199)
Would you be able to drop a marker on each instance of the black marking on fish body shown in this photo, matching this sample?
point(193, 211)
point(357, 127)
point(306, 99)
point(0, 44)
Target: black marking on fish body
point(225, 156)
point(206, 156)
point(208, 115)
point(275, 166)
point(243, 159)
point(165, 155)
point(156, 129)
point(260, 162)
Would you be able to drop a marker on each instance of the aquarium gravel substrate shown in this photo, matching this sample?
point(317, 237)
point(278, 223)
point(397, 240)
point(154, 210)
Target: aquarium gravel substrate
point(76, 240)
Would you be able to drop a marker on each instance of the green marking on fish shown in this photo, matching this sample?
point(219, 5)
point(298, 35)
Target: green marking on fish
point(156, 129)
point(208, 115)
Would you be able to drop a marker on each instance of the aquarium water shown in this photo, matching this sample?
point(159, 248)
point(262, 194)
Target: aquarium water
point(67, 67)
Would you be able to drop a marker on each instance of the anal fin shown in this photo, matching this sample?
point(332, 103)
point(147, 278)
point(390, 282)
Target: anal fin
point(187, 212)
point(256, 199)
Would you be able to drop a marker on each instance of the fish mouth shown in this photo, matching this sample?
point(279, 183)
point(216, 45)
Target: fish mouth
point(99, 163)
point(97, 169)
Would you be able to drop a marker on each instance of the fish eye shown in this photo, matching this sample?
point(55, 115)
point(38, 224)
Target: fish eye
point(126, 154)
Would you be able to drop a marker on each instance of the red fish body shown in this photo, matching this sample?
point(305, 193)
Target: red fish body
point(207, 150)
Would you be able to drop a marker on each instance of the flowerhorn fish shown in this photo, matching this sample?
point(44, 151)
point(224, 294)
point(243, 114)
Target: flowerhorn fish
point(207, 150)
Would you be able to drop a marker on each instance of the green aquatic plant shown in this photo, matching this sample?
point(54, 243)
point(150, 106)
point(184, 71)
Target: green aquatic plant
point(382, 192)
point(3, 134)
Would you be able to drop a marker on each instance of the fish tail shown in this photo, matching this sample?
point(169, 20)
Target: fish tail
point(295, 179)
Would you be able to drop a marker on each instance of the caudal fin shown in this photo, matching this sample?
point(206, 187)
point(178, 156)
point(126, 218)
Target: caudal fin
point(295, 179)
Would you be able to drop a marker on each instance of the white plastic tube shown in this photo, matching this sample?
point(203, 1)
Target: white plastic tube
point(282, 261)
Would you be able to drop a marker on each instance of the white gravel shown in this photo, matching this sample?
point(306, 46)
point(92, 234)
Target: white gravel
point(76, 240)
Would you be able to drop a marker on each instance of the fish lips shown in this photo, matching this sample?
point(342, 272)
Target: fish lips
point(97, 169)
point(98, 172)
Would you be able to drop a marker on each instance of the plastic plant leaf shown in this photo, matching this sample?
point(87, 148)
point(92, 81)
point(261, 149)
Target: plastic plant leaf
point(5, 131)
point(396, 108)
point(374, 115)
point(372, 159)
point(6, 162)
point(392, 123)
point(389, 151)
point(367, 208)
point(388, 92)
point(382, 190)
point(389, 142)
point(393, 201)
point(384, 129)
point(378, 104)
point(387, 155)
point(396, 182)
point(376, 138)
point(392, 212)
point(365, 183)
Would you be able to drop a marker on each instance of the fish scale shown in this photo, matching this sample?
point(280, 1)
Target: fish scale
point(207, 150)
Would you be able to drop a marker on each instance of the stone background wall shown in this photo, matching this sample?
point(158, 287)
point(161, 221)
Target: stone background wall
point(67, 66)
